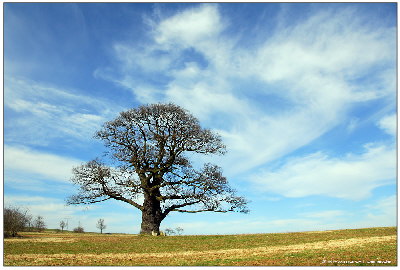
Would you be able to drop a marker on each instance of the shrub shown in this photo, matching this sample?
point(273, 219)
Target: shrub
point(169, 231)
point(79, 229)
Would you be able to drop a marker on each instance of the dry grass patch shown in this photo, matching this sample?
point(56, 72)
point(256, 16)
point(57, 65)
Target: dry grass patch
point(319, 232)
point(44, 239)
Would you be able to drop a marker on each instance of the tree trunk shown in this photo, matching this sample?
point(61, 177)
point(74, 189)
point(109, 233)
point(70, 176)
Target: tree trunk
point(151, 215)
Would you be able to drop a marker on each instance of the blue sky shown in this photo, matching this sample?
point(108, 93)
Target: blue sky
point(303, 95)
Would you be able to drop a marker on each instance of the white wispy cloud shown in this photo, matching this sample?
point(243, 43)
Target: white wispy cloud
point(383, 212)
point(338, 43)
point(190, 27)
point(22, 181)
point(49, 166)
point(353, 176)
point(43, 113)
point(389, 124)
point(304, 74)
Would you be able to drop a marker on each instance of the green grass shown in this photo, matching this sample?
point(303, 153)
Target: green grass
point(50, 248)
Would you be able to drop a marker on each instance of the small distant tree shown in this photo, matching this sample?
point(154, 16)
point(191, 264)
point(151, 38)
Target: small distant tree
point(79, 229)
point(100, 225)
point(179, 230)
point(169, 231)
point(29, 223)
point(39, 224)
point(15, 220)
point(62, 225)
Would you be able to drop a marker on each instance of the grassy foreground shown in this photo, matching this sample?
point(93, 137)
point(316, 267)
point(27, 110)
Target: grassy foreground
point(372, 246)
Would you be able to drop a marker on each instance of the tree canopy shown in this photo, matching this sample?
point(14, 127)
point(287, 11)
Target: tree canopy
point(152, 171)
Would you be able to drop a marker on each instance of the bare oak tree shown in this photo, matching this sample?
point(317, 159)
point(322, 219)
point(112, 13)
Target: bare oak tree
point(150, 146)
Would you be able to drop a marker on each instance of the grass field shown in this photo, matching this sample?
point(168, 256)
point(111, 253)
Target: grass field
point(372, 246)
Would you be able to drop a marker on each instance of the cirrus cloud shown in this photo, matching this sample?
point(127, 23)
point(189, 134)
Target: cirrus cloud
point(303, 77)
point(49, 166)
point(351, 177)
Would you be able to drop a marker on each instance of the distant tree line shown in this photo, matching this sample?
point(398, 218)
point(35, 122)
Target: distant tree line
point(17, 219)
